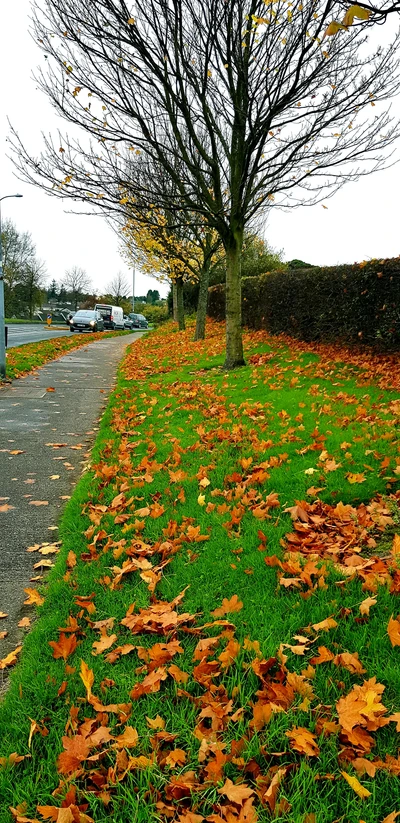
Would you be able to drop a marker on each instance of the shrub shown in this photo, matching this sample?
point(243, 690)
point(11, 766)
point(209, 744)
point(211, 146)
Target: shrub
point(154, 314)
point(357, 303)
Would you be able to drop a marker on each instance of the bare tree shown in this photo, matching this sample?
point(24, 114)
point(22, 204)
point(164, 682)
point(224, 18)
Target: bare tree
point(119, 288)
point(244, 105)
point(77, 283)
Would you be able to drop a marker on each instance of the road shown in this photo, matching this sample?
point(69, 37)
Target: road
point(19, 333)
point(36, 476)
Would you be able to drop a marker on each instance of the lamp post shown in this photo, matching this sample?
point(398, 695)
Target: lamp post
point(133, 287)
point(2, 315)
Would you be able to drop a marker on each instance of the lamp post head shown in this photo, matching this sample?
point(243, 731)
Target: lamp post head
point(18, 195)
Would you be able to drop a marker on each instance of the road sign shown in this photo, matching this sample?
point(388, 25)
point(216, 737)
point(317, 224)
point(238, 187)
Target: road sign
point(49, 319)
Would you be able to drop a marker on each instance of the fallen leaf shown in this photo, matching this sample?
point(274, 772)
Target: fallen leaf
point(325, 625)
point(228, 606)
point(236, 792)
point(366, 604)
point(11, 658)
point(34, 598)
point(393, 631)
point(303, 741)
point(356, 785)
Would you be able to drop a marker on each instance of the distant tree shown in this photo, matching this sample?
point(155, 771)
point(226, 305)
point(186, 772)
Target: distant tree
point(77, 283)
point(23, 272)
point(52, 291)
point(153, 295)
point(118, 288)
point(30, 287)
point(62, 296)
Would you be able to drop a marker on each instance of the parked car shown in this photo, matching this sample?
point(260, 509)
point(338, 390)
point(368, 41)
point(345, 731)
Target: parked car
point(139, 321)
point(128, 322)
point(86, 320)
point(113, 316)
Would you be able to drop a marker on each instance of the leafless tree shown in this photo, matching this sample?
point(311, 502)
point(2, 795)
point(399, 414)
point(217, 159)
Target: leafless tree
point(244, 105)
point(119, 288)
point(77, 282)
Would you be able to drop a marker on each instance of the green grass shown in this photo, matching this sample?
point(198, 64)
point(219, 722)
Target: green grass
point(26, 358)
point(238, 414)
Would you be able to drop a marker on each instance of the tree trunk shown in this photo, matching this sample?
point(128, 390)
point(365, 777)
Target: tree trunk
point(179, 303)
point(174, 301)
point(200, 332)
point(234, 343)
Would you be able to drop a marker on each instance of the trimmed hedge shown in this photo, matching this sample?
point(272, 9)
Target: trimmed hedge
point(353, 304)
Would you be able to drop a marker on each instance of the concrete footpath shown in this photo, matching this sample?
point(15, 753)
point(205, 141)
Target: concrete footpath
point(37, 477)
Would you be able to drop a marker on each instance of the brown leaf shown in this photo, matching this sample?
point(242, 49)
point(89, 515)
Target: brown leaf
point(366, 604)
point(128, 739)
point(34, 598)
point(38, 502)
point(11, 658)
point(64, 646)
point(76, 749)
point(237, 793)
point(325, 625)
point(176, 758)
point(156, 722)
point(228, 606)
point(303, 741)
point(393, 631)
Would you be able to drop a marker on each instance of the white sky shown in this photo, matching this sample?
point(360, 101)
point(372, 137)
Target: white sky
point(361, 221)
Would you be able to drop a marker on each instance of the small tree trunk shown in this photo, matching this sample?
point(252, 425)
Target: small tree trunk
point(200, 332)
point(175, 301)
point(234, 343)
point(179, 303)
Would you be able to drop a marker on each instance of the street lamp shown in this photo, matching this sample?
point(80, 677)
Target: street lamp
point(2, 316)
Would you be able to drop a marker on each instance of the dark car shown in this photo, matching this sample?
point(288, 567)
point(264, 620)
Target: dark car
point(86, 320)
point(128, 322)
point(139, 321)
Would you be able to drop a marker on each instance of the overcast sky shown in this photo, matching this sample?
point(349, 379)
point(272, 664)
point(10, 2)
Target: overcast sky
point(360, 222)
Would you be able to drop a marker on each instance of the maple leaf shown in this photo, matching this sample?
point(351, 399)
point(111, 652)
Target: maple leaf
point(10, 659)
point(236, 792)
point(228, 606)
point(325, 625)
point(128, 739)
point(366, 605)
point(176, 758)
point(355, 478)
point(303, 741)
point(393, 631)
point(356, 785)
point(33, 598)
point(104, 643)
point(156, 722)
point(350, 662)
point(76, 749)
point(324, 656)
point(64, 646)
point(390, 818)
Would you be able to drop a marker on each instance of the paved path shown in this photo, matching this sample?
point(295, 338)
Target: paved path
point(19, 333)
point(30, 418)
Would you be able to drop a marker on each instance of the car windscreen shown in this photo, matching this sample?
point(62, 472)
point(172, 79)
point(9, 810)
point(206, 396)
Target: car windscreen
point(90, 314)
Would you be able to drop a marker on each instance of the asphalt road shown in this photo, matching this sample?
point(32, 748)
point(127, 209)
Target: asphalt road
point(36, 476)
point(19, 333)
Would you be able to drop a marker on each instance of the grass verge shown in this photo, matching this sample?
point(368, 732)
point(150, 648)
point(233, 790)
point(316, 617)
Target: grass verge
point(23, 359)
point(271, 687)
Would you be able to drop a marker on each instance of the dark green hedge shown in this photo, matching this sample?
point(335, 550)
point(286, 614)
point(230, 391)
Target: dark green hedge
point(353, 304)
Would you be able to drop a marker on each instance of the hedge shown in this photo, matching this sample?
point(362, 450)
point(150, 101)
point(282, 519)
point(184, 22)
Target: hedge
point(357, 303)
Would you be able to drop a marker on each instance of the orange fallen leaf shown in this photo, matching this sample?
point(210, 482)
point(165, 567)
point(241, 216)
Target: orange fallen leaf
point(34, 598)
point(156, 722)
point(176, 758)
point(390, 818)
point(11, 658)
point(228, 606)
point(38, 502)
point(303, 741)
point(87, 678)
point(325, 625)
point(128, 739)
point(64, 646)
point(236, 792)
point(393, 631)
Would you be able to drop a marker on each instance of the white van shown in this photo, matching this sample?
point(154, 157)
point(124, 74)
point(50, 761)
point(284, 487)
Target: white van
point(113, 316)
